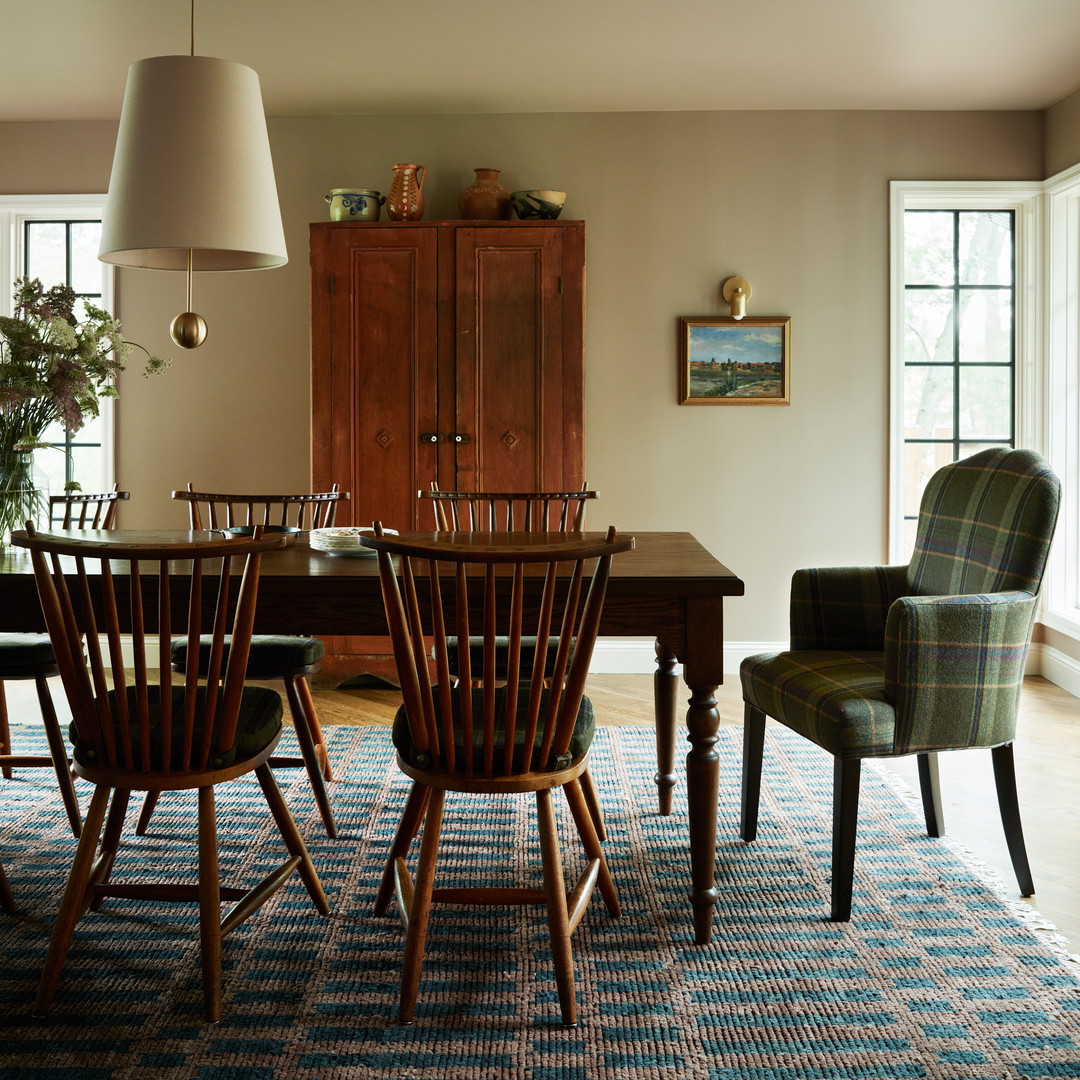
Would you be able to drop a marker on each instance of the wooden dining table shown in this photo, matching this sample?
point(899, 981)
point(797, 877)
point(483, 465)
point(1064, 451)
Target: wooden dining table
point(668, 588)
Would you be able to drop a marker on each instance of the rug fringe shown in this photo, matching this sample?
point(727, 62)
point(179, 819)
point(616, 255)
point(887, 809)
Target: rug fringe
point(1033, 919)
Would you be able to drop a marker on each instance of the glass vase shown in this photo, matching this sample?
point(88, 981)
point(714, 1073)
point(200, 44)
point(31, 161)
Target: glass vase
point(24, 494)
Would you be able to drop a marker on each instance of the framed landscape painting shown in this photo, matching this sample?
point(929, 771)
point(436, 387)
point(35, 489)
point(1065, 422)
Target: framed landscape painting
point(726, 361)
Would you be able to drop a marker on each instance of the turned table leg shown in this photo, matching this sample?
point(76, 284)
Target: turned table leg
point(665, 688)
point(702, 792)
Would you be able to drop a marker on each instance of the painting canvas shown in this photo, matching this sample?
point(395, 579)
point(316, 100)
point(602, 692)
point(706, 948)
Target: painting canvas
point(724, 361)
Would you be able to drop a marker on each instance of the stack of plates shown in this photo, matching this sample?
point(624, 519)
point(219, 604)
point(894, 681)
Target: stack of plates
point(343, 540)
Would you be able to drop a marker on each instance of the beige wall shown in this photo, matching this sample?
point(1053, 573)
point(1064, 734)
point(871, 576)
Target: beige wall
point(796, 202)
point(1063, 134)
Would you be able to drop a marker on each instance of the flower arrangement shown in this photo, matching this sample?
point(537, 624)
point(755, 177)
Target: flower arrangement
point(54, 368)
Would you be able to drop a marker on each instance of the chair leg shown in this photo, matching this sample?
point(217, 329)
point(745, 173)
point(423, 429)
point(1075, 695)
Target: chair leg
point(294, 842)
point(209, 906)
point(592, 800)
point(753, 751)
point(1009, 804)
point(7, 898)
point(421, 907)
point(73, 903)
point(557, 915)
point(303, 687)
point(5, 731)
point(309, 736)
point(150, 801)
point(846, 774)
point(58, 752)
point(411, 817)
point(110, 840)
point(930, 788)
point(583, 819)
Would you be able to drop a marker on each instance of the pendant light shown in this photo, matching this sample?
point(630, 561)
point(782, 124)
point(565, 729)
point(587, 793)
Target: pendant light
point(192, 184)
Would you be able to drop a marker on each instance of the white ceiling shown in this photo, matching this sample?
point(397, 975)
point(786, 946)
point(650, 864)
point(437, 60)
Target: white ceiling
point(69, 58)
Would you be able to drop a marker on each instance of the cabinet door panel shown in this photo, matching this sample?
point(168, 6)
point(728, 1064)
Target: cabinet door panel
point(509, 359)
point(382, 382)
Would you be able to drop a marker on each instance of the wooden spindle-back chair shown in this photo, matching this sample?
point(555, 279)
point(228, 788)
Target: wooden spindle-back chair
point(130, 734)
point(522, 733)
point(274, 656)
point(81, 510)
point(215, 510)
point(30, 656)
point(491, 511)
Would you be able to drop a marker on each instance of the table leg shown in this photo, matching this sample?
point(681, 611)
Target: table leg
point(702, 792)
point(665, 688)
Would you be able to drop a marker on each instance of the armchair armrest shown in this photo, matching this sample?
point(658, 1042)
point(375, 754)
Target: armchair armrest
point(843, 607)
point(953, 668)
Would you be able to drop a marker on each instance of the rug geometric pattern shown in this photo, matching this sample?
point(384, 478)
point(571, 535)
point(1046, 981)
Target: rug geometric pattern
point(935, 976)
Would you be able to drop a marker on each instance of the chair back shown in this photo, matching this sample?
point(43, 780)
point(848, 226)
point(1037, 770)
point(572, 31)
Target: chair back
point(502, 587)
point(103, 590)
point(985, 525)
point(81, 510)
point(490, 511)
point(209, 510)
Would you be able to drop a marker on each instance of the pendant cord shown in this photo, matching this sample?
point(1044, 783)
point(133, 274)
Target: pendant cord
point(189, 260)
point(192, 27)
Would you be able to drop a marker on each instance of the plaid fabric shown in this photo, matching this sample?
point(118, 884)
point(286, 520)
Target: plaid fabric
point(843, 607)
point(953, 668)
point(833, 698)
point(892, 660)
point(985, 525)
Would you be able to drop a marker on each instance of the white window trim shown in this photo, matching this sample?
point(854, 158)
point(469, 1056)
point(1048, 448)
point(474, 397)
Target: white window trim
point(1061, 595)
point(15, 211)
point(1026, 200)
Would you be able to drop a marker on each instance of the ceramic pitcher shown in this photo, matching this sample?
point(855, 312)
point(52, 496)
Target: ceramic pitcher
point(405, 202)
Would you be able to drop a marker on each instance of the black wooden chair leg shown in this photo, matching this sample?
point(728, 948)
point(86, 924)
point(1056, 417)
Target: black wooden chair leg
point(846, 775)
point(1005, 781)
point(753, 749)
point(930, 789)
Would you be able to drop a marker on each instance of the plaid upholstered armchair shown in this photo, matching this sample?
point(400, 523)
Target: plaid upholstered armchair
point(895, 660)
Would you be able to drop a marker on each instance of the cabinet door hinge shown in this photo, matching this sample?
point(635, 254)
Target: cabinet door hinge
point(333, 285)
point(560, 285)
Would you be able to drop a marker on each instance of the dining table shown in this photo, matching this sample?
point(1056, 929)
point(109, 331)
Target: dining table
point(668, 588)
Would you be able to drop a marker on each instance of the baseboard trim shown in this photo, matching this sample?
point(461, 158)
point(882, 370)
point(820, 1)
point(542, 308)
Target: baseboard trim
point(637, 656)
point(1056, 666)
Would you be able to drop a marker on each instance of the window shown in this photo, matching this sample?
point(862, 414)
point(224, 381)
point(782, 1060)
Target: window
point(963, 261)
point(1061, 595)
point(55, 238)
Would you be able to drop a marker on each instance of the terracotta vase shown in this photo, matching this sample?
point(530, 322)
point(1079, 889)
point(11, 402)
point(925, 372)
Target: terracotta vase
point(405, 201)
point(485, 199)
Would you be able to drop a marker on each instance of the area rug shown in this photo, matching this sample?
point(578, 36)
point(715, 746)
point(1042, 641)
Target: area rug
point(936, 975)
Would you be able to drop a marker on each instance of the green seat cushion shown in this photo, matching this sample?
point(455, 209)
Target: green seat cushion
point(24, 654)
point(502, 652)
point(257, 726)
point(271, 654)
point(581, 740)
point(836, 699)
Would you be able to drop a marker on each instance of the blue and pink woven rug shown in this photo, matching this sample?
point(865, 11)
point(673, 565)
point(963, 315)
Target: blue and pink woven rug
point(934, 977)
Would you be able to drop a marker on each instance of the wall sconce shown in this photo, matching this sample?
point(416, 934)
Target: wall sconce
point(736, 291)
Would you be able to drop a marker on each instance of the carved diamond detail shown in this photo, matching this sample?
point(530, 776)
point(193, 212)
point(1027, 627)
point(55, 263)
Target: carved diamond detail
point(509, 439)
point(384, 438)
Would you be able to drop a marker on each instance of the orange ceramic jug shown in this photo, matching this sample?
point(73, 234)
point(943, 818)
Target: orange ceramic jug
point(405, 201)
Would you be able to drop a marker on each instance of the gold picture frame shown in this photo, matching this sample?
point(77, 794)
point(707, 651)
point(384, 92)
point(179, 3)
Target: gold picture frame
point(726, 361)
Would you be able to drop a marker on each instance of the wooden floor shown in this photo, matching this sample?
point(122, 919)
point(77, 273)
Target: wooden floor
point(1047, 763)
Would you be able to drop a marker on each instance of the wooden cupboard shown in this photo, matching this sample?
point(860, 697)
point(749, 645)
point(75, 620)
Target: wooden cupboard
point(449, 351)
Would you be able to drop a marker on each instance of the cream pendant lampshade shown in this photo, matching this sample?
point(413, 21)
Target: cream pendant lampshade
point(192, 184)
